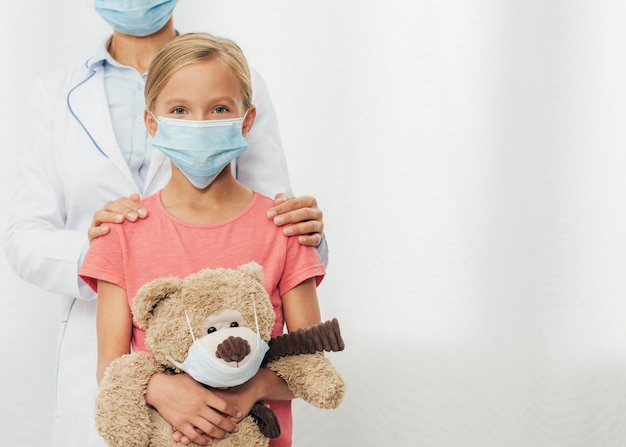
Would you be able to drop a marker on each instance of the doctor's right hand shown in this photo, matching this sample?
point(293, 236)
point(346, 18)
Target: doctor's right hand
point(115, 212)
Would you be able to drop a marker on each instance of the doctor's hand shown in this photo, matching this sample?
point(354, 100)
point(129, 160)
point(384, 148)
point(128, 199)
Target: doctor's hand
point(114, 212)
point(300, 216)
point(196, 413)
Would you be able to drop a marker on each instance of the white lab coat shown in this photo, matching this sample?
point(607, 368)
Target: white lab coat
point(72, 167)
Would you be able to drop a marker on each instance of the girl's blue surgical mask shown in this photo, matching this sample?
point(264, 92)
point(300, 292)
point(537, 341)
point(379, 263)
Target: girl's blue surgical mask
point(136, 17)
point(200, 149)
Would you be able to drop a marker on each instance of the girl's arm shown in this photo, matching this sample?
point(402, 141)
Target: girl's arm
point(300, 306)
point(113, 324)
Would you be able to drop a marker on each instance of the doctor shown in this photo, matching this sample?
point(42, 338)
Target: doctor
point(89, 146)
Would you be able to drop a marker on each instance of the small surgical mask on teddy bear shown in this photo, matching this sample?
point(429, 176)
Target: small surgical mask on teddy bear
point(204, 365)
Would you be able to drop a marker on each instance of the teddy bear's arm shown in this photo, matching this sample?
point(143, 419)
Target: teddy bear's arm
point(311, 377)
point(122, 415)
point(321, 337)
point(297, 357)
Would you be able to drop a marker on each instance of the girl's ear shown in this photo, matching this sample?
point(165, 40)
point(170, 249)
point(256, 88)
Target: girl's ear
point(249, 120)
point(150, 122)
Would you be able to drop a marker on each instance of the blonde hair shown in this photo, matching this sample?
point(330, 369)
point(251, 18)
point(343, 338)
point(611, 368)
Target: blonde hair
point(192, 48)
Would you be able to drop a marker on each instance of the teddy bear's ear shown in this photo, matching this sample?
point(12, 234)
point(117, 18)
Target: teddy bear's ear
point(253, 270)
point(149, 295)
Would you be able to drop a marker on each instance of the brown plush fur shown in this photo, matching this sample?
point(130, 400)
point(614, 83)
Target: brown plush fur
point(122, 416)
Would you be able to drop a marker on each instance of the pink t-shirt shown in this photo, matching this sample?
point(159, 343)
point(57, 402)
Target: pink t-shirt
point(161, 245)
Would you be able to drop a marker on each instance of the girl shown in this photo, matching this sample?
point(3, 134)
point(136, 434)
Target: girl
point(198, 110)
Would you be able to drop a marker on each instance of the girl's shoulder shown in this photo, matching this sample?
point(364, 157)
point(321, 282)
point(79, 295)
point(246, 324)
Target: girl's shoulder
point(151, 201)
point(262, 199)
point(260, 205)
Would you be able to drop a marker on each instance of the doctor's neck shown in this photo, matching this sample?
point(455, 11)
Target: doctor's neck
point(138, 52)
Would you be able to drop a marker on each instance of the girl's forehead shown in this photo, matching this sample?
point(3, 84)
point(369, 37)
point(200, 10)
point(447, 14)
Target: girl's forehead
point(207, 79)
point(208, 70)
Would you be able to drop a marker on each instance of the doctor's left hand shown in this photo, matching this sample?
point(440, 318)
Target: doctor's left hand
point(300, 217)
point(124, 208)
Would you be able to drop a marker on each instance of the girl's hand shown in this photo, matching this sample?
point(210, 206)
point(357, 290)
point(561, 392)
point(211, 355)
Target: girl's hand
point(301, 216)
point(264, 385)
point(196, 413)
point(115, 211)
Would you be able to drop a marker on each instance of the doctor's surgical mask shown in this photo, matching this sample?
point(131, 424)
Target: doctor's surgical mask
point(205, 367)
point(136, 17)
point(200, 149)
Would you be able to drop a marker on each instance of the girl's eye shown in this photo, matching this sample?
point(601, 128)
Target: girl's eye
point(221, 109)
point(178, 111)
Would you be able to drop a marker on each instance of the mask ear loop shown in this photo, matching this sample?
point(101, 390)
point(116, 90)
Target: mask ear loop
point(156, 118)
point(190, 328)
point(171, 360)
point(256, 318)
point(243, 120)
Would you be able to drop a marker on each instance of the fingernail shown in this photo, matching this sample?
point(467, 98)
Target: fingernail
point(142, 212)
point(288, 231)
point(271, 214)
point(279, 220)
point(119, 218)
point(132, 216)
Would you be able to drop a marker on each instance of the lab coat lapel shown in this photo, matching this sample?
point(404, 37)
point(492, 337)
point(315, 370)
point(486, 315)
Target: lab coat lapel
point(89, 104)
point(157, 177)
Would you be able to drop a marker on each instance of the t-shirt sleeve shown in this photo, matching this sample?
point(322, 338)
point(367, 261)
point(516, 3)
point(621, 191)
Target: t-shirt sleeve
point(105, 260)
point(302, 263)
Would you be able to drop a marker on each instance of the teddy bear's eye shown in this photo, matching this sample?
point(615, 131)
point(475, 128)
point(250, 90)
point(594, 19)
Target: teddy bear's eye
point(234, 324)
point(211, 330)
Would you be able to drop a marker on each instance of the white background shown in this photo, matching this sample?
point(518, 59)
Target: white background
point(469, 157)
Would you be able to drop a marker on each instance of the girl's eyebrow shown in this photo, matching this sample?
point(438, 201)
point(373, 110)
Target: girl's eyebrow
point(224, 99)
point(219, 100)
point(174, 101)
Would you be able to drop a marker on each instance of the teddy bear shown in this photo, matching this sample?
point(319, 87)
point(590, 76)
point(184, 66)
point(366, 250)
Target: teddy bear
point(215, 315)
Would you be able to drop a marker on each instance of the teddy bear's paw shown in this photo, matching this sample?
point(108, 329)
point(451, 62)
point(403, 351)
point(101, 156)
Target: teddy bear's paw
point(267, 421)
point(329, 400)
point(328, 394)
point(313, 378)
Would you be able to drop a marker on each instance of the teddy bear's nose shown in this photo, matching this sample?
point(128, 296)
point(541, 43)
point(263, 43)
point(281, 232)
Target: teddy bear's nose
point(233, 349)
